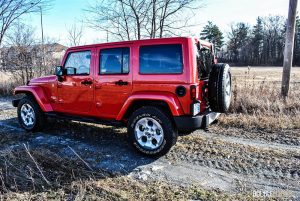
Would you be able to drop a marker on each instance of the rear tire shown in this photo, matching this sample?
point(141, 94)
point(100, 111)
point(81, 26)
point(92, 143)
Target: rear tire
point(151, 131)
point(219, 88)
point(30, 115)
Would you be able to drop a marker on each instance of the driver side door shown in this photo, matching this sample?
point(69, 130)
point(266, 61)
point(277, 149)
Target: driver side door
point(75, 92)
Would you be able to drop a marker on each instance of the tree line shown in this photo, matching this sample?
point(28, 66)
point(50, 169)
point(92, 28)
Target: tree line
point(258, 45)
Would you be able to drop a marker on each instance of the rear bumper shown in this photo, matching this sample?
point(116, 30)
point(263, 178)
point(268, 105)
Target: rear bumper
point(189, 123)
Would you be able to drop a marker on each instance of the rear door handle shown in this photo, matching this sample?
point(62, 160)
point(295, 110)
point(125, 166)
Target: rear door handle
point(87, 82)
point(121, 83)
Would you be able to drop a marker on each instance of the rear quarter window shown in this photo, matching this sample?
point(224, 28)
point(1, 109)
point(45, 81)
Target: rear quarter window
point(161, 59)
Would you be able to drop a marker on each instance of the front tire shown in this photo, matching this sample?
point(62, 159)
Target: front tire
point(30, 115)
point(151, 131)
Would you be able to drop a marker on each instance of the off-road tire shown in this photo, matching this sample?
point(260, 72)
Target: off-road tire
point(40, 118)
point(219, 99)
point(169, 130)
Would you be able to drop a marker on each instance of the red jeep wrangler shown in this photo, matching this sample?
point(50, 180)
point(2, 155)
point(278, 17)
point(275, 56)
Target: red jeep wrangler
point(156, 88)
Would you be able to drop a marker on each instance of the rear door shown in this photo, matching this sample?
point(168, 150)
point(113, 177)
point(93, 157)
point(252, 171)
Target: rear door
point(75, 93)
point(113, 80)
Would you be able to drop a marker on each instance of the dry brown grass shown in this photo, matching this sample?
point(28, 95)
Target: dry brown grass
point(257, 103)
point(7, 84)
point(6, 88)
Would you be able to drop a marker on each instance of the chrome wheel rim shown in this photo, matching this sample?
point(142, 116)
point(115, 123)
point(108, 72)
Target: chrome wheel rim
point(227, 89)
point(149, 133)
point(27, 115)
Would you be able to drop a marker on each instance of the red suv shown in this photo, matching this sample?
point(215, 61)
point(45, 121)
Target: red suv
point(156, 88)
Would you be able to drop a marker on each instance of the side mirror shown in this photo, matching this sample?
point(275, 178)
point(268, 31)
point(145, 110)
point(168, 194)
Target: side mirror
point(59, 73)
point(70, 71)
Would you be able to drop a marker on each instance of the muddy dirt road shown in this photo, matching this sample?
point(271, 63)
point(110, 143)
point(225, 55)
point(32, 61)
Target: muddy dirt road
point(232, 160)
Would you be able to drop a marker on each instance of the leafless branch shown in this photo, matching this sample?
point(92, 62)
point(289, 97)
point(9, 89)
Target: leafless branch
point(11, 10)
point(75, 34)
point(80, 158)
point(137, 19)
point(36, 164)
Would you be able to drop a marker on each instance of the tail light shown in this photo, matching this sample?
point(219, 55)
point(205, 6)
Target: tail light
point(193, 91)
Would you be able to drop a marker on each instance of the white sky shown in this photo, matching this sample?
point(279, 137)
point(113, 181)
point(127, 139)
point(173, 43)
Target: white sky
point(221, 12)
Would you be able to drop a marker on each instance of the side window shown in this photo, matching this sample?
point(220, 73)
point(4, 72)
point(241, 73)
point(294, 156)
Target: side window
point(114, 61)
point(161, 59)
point(79, 62)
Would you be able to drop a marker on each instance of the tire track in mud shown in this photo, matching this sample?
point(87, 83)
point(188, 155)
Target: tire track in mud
point(242, 156)
point(284, 136)
point(250, 142)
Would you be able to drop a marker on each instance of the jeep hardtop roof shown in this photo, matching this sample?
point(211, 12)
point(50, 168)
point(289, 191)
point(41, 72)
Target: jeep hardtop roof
point(205, 43)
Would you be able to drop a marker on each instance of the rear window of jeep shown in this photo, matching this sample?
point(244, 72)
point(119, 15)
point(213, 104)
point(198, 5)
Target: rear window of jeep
point(161, 59)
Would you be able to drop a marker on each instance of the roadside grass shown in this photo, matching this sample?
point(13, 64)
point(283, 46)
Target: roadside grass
point(6, 88)
point(256, 101)
point(8, 82)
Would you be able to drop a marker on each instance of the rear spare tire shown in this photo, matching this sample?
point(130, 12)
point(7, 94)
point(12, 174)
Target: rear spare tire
point(219, 88)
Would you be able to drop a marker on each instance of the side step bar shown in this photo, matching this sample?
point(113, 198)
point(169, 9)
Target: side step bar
point(84, 119)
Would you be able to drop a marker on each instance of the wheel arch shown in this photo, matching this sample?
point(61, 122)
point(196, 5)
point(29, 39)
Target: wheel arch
point(38, 94)
point(168, 103)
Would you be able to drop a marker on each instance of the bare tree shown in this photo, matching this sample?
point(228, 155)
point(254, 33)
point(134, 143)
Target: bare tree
point(23, 56)
point(137, 19)
point(75, 34)
point(11, 10)
point(18, 57)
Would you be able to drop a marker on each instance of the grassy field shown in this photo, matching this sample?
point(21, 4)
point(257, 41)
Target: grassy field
point(257, 102)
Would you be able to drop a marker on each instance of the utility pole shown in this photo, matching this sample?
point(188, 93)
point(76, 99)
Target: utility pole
point(289, 48)
point(42, 27)
point(43, 45)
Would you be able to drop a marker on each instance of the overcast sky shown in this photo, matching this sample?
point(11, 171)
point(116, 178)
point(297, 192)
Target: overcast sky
point(221, 12)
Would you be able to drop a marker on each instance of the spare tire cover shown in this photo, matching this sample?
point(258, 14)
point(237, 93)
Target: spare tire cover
point(219, 88)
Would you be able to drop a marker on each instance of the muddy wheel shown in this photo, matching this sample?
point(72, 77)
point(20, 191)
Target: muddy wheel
point(219, 88)
point(151, 131)
point(30, 116)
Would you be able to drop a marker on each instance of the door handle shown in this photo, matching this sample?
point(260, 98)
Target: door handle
point(121, 83)
point(87, 82)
